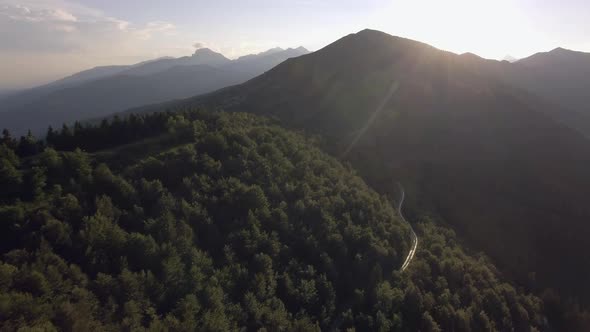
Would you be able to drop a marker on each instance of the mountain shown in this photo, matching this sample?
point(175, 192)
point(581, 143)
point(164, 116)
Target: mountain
point(108, 95)
point(560, 77)
point(204, 221)
point(105, 90)
point(266, 60)
point(15, 101)
point(23, 98)
point(7, 92)
point(558, 57)
point(206, 56)
point(510, 58)
point(267, 52)
point(261, 62)
point(482, 154)
point(88, 75)
point(203, 56)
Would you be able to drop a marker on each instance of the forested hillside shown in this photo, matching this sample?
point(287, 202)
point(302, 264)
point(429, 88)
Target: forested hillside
point(484, 155)
point(219, 222)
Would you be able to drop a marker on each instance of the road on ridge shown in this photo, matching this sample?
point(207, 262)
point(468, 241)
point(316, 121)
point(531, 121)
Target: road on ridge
point(414, 236)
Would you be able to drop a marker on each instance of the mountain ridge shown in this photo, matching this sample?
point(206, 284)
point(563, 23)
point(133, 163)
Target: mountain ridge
point(73, 98)
point(471, 149)
point(560, 77)
point(448, 125)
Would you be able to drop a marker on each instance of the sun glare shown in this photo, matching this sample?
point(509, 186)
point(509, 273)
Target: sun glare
point(488, 28)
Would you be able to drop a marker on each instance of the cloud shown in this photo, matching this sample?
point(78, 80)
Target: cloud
point(62, 15)
point(43, 40)
point(24, 29)
point(198, 45)
point(151, 28)
point(64, 28)
point(24, 13)
point(58, 26)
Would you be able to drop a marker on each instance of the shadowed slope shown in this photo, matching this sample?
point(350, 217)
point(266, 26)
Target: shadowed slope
point(561, 77)
point(483, 154)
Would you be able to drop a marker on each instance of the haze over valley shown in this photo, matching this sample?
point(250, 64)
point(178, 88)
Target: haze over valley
point(81, 96)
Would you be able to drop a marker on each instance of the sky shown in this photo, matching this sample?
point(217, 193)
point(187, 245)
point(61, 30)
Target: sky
point(44, 40)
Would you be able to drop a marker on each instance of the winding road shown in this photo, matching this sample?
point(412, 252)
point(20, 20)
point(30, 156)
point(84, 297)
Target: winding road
point(338, 321)
point(414, 236)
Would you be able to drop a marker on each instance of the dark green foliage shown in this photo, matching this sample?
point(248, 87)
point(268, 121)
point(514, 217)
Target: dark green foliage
point(225, 222)
point(108, 134)
point(487, 157)
point(10, 175)
point(463, 292)
point(27, 145)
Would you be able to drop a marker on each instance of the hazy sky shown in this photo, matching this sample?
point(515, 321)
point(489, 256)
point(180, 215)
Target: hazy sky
point(42, 40)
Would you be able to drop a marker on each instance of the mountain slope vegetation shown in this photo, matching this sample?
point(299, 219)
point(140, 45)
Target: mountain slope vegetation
point(219, 222)
point(482, 154)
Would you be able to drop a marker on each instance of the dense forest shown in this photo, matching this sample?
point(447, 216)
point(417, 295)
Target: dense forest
point(220, 222)
point(487, 157)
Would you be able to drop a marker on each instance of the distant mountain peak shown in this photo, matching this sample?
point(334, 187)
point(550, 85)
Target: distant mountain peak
point(206, 56)
point(300, 49)
point(368, 31)
point(206, 52)
point(203, 50)
point(471, 55)
point(562, 56)
point(267, 52)
point(372, 40)
point(510, 58)
point(273, 50)
point(559, 50)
